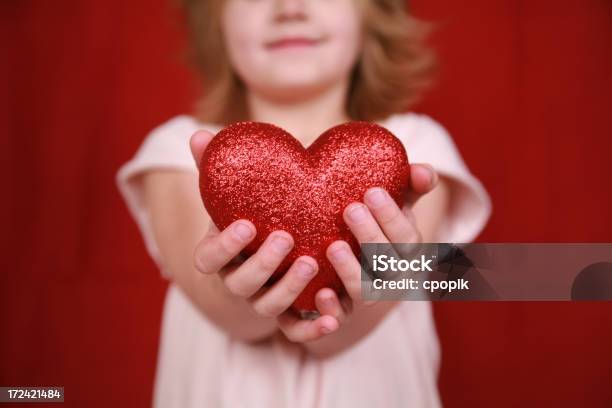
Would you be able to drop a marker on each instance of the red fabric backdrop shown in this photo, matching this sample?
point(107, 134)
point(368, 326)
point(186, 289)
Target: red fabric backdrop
point(525, 91)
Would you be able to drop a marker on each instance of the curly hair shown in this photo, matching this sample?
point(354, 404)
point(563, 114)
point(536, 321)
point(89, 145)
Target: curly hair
point(393, 68)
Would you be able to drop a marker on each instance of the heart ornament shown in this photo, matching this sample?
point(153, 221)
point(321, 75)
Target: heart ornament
point(258, 171)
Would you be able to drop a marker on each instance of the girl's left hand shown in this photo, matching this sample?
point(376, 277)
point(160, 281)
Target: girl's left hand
point(379, 220)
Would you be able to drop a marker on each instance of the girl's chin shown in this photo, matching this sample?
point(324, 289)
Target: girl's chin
point(294, 82)
point(291, 90)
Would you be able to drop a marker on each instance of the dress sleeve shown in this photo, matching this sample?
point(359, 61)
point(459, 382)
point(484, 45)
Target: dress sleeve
point(166, 146)
point(427, 141)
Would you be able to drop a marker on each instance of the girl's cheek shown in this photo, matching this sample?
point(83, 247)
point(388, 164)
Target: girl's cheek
point(343, 23)
point(346, 42)
point(243, 35)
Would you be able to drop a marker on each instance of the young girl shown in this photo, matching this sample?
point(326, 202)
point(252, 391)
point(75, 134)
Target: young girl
point(228, 341)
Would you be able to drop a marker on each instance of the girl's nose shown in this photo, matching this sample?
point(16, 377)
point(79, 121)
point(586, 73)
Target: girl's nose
point(290, 10)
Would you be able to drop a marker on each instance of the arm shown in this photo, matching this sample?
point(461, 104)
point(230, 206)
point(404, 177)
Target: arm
point(179, 221)
point(427, 212)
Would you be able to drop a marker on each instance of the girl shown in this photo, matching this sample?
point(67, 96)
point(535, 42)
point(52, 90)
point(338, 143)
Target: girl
point(227, 341)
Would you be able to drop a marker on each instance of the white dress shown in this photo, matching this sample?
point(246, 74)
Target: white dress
point(396, 365)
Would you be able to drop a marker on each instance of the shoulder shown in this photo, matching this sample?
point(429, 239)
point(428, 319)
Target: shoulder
point(176, 130)
point(425, 139)
point(165, 147)
point(417, 128)
point(428, 141)
point(181, 122)
point(168, 143)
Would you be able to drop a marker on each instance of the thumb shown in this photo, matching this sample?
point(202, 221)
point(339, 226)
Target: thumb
point(423, 179)
point(198, 142)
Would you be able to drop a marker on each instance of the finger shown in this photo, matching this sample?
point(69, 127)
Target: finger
point(423, 179)
point(362, 224)
point(246, 280)
point(396, 226)
point(214, 252)
point(279, 297)
point(327, 303)
point(301, 330)
point(213, 231)
point(198, 142)
point(408, 213)
point(346, 266)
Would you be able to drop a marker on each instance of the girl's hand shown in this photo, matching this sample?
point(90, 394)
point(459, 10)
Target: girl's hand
point(218, 253)
point(379, 220)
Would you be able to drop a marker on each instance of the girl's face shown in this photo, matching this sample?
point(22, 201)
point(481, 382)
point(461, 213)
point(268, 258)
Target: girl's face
point(279, 47)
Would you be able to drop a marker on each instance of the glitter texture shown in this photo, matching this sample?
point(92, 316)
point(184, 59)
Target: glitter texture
point(258, 171)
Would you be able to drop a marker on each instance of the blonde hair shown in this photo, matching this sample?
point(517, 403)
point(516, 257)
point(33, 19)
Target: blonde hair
point(393, 68)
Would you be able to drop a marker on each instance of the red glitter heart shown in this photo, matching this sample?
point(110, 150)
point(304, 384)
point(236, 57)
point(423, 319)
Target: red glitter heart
point(258, 171)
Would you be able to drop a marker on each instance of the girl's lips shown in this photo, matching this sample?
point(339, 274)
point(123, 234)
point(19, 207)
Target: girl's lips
point(291, 42)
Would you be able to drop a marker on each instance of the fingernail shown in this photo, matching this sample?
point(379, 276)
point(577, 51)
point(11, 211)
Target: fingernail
point(281, 243)
point(305, 270)
point(376, 197)
point(243, 231)
point(339, 254)
point(358, 213)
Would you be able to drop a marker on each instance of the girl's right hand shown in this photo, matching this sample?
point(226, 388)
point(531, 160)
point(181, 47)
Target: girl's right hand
point(217, 253)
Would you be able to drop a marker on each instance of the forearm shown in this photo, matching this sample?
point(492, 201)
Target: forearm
point(357, 327)
point(179, 221)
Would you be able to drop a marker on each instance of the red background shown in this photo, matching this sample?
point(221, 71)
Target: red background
point(525, 91)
